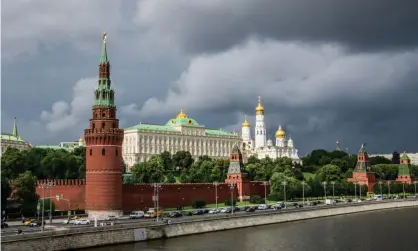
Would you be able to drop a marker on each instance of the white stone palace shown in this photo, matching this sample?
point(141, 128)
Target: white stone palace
point(260, 146)
point(181, 133)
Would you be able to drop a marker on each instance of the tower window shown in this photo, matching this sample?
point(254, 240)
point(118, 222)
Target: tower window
point(91, 152)
point(103, 152)
point(116, 152)
point(104, 115)
point(94, 126)
point(103, 125)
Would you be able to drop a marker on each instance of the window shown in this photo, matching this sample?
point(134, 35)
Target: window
point(103, 152)
point(116, 152)
point(103, 125)
point(104, 115)
point(94, 126)
point(91, 152)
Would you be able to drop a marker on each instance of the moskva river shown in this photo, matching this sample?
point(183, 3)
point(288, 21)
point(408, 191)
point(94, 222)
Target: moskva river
point(395, 229)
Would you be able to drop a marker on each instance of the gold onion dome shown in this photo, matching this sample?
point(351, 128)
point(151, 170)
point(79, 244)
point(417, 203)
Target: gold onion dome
point(259, 109)
point(246, 123)
point(181, 115)
point(280, 133)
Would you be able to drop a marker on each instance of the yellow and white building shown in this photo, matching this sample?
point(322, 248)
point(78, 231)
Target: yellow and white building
point(180, 133)
point(13, 140)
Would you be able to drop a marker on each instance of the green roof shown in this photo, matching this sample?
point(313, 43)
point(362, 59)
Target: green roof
point(152, 127)
point(219, 132)
point(51, 147)
point(405, 157)
point(7, 136)
point(182, 121)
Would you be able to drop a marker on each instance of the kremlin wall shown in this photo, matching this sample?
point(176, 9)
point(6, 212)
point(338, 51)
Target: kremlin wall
point(139, 196)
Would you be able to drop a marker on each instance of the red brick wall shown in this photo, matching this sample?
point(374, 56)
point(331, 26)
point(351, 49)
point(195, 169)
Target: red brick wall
point(137, 197)
point(72, 190)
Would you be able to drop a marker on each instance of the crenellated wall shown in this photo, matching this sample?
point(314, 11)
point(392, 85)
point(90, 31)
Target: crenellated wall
point(139, 196)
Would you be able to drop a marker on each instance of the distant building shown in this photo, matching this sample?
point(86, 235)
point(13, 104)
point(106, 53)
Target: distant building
point(13, 140)
point(68, 146)
point(412, 156)
point(396, 158)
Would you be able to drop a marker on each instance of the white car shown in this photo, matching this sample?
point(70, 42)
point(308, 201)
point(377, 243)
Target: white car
point(223, 210)
point(111, 217)
point(82, 222)
point(68, 221)
point(262, 207)
point(214, 211)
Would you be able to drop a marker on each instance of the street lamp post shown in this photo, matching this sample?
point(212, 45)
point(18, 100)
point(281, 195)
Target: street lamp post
point(359, 189)
point(48, 184)
point(324, 183)
point(333, 189)
point(388, 188)
point(232, 186)
point(155, 199)
point(380, 184)
point(415, 184)
point(355, 190)
point(216, 193)
point(284, 183)
point(303, 191)
point(403, 188)
point(265, 183)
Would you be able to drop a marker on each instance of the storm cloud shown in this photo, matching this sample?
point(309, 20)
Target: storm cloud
point(326, 70)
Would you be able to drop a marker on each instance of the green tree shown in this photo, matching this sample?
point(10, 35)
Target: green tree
point(47, 205)
point(5, 191)
point(293, 186)
point(379, 160)
point(182, 159)
point(24, 190)
point(386, 171)
point(169, 178)
point(167, 161)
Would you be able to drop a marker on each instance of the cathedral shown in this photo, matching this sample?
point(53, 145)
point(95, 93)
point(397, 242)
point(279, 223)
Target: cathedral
point(260, 146)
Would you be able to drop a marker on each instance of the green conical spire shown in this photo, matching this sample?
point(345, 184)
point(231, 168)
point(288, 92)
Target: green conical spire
point(15, 133)
point(103, 57)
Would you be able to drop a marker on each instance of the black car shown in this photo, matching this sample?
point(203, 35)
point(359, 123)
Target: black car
point(296, 205)
point(174, 214)
point(199, 212)
point(250, 209)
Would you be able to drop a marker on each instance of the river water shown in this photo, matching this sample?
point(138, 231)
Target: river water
point(395, 229)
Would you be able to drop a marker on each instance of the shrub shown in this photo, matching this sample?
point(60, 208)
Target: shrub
point(228, 202)
point(256, 199)
point(199, 203)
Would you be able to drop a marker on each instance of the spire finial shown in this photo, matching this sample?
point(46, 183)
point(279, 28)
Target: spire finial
point(259, 99)
point(245, 117)
point(15, 132)
point(103, 57)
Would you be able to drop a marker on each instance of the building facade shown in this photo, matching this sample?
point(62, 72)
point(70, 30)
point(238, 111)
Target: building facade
point(67, 146)
point(103, 149)
point(13, 140)
point(180, 133)
point(413, 157)
point(260, 146)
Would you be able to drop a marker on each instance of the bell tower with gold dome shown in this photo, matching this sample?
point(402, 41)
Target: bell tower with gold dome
point(280, 137)
point(260, 129)
point(246, 134)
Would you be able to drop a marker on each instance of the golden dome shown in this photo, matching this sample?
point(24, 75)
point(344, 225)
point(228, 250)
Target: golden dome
point(80, 139)
point(246, 124)
point(181, 115)
point(280, 133)
point(259, 110)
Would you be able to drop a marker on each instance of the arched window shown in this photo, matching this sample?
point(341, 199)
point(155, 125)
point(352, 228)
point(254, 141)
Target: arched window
point(103, 125)
point(103, 152)
point(91, 152)
point(94, 126)
point(116, 152)
point(103, 115)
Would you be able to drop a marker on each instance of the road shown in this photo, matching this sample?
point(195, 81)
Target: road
point(57, 224)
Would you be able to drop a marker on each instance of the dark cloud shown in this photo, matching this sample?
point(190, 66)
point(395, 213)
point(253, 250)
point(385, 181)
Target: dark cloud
point(217, 25)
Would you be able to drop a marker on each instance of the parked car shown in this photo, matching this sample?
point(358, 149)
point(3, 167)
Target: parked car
point(137, 215)
point(198, 212)
point(228, 210)
point(280, 205)
point(174, 214)
point(36, 223)
point(82, 222)
point(214, 211)
point(187, 213)
point(262, 207)
point(251, 209)
point(152, 213)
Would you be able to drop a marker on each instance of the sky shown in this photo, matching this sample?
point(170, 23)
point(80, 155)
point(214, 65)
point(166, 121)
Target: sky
point(326, 70)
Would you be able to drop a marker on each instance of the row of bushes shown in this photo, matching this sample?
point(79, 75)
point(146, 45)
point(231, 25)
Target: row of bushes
point(199, 203)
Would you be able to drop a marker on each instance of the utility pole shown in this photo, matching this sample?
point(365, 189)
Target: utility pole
point(403, 188)
point(380, 184)
point(333, 189)
point(303, 191)
point(265, 183)
point(415, 184)
point(325, 189)
point(355, 190)
point(50, 185)
point(231, 186)
point(284, 183)
point(216, 193)
point(389, 187)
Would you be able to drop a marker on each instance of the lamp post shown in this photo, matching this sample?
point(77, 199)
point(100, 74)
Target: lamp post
point(359, 190)
point(333, 189)
point(415, 184)
point(216, 193)
point(284, 183)
point(155, 198)
point(380, 184)
point(324, 183)
point(265, 183)
point(403, 188)
point(232, 186)
point(303, 191)
point(388, 188)
point(48, 184)
point(355, 190)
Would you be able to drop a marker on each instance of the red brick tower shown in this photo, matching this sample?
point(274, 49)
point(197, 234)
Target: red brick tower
point(104, 149)
point(237, 175)
point(362, 174)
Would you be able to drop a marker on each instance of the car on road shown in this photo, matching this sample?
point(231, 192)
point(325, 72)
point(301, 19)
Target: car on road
point(262, 207)
point(111, 217)
point(174, 214)
point(82, 222)
point(199, 212)
point(251, 209)
point(152, 213)
point(36, 223)
point(214, 211)
point(137, 215)
point(280, 205)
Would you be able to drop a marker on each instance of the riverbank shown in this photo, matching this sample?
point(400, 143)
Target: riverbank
point(90, 237)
